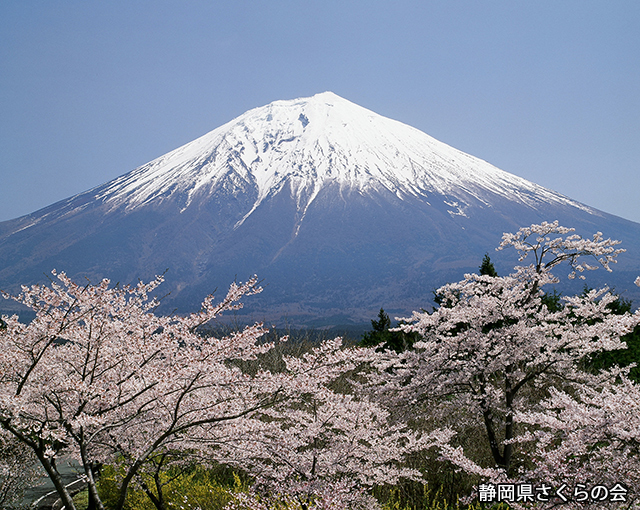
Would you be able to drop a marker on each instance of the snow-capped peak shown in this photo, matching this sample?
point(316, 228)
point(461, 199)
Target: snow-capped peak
point(310, 142)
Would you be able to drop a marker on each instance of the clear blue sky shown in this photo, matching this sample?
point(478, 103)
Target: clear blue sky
point(547, 90)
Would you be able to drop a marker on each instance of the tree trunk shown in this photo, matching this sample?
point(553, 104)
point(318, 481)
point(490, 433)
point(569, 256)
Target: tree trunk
point(56, 479)
point(95, 503)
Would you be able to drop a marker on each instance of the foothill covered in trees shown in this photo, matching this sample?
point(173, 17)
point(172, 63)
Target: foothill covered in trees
point(506, 393)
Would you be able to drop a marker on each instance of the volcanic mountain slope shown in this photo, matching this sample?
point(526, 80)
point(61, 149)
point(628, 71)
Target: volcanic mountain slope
point(338, 209)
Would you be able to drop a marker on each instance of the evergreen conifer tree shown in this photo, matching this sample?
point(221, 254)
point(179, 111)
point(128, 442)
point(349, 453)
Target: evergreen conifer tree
point(487, 268)
point(380, 335)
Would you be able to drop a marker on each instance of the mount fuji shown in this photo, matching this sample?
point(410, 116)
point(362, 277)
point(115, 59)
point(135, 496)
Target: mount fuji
point(338, 209)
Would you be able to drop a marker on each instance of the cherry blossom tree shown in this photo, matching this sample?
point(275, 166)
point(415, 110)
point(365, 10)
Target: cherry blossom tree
point(98, 376)
point(589, 438)
point(493, 348)
point(326, 444)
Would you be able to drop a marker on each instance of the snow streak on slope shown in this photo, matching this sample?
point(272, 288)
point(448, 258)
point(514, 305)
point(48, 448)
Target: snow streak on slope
point(311, 142)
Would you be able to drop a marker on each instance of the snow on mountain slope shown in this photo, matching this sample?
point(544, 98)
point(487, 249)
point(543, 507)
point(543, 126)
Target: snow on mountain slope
point(338, 209)
point(314, 141)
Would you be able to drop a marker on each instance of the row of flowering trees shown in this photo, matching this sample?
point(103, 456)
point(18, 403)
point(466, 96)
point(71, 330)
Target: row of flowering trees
point(98, 377)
